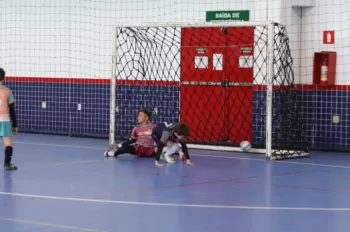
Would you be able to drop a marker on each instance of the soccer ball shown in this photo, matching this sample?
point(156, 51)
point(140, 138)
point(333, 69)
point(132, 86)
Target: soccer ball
point(245, 146)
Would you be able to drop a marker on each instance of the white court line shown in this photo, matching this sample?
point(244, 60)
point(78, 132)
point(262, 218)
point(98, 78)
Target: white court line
point(60, 145)
point(49, 224)
point(275, 161)
point(78, 162)
point(174, 205)
point(213, 156)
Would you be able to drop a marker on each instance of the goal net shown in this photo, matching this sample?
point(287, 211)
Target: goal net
point(229, 83)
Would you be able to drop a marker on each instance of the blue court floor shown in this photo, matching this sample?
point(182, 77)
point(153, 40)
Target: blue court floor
point(65, 184)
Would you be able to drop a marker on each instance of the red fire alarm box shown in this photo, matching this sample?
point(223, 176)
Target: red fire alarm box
point(324, 68)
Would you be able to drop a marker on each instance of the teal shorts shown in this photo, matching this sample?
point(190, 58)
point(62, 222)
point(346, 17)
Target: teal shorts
point(5, 129)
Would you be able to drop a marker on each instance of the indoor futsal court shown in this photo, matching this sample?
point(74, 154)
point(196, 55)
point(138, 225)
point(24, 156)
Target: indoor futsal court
point(64, 184)
point(174, 115)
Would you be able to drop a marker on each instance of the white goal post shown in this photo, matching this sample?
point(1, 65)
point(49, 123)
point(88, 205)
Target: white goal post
point(121, 57)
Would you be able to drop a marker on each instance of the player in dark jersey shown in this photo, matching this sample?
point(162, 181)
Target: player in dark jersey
point(140, 142)
point(169, 139)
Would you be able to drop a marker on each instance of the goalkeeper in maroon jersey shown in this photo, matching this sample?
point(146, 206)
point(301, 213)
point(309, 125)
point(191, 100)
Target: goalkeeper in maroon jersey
point(169, 139)
point(141, 142)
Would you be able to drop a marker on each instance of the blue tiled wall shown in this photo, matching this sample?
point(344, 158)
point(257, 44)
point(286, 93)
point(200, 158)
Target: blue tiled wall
point(93, 119)
point(32, 117)
point(162, 100)
point(62, 117)
point(318, 109)
point(286, 120)
point(259, 113)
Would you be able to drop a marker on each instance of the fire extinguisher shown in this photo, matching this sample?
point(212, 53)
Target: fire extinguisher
point(324, 71)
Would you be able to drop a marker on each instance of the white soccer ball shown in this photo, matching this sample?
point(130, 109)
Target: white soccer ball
point(245, 146)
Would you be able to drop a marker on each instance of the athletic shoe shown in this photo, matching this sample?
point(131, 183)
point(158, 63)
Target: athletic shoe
point(169, 159)
point(109, 153)
point(9, 167)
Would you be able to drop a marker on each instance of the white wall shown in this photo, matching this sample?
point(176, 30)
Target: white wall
point(291, 17)
point(48, 38)
point(326, 15)
point(72, 38)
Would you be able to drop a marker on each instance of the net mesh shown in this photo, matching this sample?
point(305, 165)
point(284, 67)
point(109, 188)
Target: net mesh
point(288, 137)
point(211, 78)
point(56, 55)
point(59, 52)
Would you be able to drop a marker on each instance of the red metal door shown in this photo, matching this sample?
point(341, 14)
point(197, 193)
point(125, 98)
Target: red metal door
point(210, 104)
point(201, 100)
point(240, 75)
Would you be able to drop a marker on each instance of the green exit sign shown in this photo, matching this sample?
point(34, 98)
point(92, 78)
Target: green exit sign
point(233, 15)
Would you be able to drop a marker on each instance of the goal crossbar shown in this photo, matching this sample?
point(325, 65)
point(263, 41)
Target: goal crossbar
point(206, 24)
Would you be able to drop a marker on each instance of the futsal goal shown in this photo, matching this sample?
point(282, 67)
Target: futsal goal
point(229, 82)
